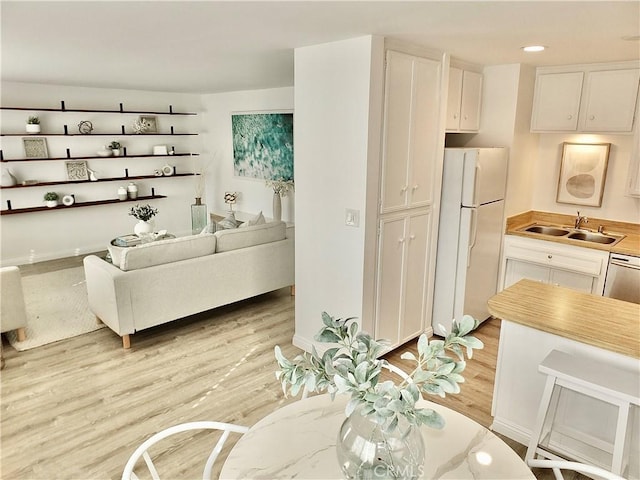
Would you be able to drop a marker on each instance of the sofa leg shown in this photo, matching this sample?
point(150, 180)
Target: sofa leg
point(126, 341)
point(293, 290)
point(22, 335)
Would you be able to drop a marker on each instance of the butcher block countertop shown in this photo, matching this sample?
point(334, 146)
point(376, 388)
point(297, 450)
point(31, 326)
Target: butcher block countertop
point(629, 245)
point(603, 322)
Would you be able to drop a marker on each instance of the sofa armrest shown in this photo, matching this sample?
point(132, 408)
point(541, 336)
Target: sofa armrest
point(13, 314)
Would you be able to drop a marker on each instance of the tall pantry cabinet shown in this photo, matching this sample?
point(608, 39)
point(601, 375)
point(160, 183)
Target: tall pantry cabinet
point(410, 184)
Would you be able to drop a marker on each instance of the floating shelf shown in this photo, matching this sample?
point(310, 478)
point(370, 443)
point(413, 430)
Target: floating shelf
point(2, 159)
point(119, 134)
point(77, 205)
point(121, 110)
point(109, 179)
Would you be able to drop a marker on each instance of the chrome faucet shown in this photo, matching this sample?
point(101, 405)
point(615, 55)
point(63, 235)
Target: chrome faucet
point(580, 220)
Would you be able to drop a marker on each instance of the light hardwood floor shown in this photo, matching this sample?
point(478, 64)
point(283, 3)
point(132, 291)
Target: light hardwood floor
point(77, 409)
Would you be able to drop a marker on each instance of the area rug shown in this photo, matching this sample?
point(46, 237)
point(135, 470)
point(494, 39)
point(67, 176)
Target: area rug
point(57, 308)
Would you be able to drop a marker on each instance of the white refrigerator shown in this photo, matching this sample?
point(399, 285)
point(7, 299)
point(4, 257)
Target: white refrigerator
point(470, 234)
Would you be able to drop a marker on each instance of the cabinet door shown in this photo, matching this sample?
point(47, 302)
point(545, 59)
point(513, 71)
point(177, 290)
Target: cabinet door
point(454, 98)
point(471, 101)
point(556, 101)
point(516, 270)
point(390, 281)
point(610, 100)
point(576, 281)
point(417, 267)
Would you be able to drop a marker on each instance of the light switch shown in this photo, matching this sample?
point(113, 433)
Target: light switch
point(352, 217)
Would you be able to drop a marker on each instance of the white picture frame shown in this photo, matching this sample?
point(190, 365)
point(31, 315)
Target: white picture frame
point(150, 123)
point(77, 170)
point(583, 172)
point(35, 147)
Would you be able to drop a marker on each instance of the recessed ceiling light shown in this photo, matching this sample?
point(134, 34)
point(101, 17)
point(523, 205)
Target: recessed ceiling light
point(533, 48)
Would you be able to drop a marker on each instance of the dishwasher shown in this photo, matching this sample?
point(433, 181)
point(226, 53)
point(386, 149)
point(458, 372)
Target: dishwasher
point(623, 278)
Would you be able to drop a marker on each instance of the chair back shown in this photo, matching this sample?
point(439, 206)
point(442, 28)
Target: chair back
point(143, 449)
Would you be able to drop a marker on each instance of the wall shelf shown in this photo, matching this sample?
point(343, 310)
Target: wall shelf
point(77, 205)
point(2, 159)
point(81, 110)
point(119, 134)
point(109, 179)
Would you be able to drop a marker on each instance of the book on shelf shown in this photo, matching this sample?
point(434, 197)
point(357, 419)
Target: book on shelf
point(127, 240)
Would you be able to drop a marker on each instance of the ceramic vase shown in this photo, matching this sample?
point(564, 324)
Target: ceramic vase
point(33, 128)
point(366, 450)
point(198, 216)
point(8, 179)
point(51, 203)
point(116, 152)
point(122, 193)
point(143, 228)
point(277, 207)
point(132, 191)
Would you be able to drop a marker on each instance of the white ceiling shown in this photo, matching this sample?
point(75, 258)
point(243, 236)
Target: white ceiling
point(216, 46)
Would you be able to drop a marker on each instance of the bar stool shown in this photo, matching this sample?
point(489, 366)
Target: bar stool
point(594, 379)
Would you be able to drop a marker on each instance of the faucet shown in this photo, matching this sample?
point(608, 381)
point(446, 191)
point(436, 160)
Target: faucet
point(579, 220)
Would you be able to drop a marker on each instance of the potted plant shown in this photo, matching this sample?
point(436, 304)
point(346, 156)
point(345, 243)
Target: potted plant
point(144, 214)
point(51, 199)
point(33, 124)
point(115, 148)
point(281, 188)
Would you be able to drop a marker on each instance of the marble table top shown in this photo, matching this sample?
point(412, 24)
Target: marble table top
point(299, 441)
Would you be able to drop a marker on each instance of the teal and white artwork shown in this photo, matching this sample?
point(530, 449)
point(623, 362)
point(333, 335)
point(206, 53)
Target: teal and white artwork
point(263, 145)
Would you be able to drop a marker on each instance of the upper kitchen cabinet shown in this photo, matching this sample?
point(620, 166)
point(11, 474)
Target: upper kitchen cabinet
point(598, 98)
point(410, 132)
point(464, 100)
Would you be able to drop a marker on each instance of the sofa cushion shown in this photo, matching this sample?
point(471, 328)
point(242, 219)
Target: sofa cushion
point(167, 251)
point(249, 236)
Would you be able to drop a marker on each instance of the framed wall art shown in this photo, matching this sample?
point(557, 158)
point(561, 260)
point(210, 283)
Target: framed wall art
point(263, 145)
point(583, 172)
point(77, 170)
point(150, 124)
point(35, 147)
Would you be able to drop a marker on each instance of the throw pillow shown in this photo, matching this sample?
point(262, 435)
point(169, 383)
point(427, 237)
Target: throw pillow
point(229, 221)
point(209, 228)
point(257, 220)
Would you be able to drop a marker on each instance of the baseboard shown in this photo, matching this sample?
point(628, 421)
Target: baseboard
point(37, 258)
point(302, 343)
point(511, 430)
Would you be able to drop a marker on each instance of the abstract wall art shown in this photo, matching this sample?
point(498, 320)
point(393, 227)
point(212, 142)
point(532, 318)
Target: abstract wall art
point(583, 171)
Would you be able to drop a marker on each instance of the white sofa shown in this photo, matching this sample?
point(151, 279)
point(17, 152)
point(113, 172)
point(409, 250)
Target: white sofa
point(162, 281)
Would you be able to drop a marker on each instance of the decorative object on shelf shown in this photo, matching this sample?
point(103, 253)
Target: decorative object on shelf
point(262, 145)
point(68, 200)
point(92, 175)
point(281, 188)
point(149, 123)
point(33, 124)
point(583, 172)
point(158, 172)
point(51, 199)
point(77, 170)
point(132, 190)
point(230, 199)
point(198, 216)
point(138, 126)
point(104, 152)
point(167, 170)
point(122, 193)
point(353, 367)
point(35, 147)
point(8, 179)
point(115, 148)
point(31, 181)
point(85, 127)
point(160, 150)
point(144, 214)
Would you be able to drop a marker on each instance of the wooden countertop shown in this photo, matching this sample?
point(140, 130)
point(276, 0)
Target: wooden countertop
point(603, 322)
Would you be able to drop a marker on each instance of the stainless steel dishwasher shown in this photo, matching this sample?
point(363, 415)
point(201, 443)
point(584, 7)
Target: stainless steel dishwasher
point(623, 278)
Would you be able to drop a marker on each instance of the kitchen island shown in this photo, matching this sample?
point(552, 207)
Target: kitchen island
point(538, 318)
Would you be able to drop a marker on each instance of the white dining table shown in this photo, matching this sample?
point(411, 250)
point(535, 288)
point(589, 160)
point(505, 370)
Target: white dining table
point(299, 441)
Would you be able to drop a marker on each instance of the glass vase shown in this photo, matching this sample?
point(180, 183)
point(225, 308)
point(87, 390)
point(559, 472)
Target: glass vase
point(198, 216)
point(366, 451)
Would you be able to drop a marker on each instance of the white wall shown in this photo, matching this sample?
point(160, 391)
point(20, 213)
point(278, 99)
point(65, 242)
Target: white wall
point(332, 152)
point(615, 204)
point(31, 237)
point(217, 156)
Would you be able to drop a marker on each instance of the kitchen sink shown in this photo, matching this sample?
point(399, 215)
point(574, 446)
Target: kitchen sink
point(546, 230)
point(593, 237)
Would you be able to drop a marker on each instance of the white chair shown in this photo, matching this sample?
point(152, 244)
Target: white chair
point(142, 450)
point(558, 465)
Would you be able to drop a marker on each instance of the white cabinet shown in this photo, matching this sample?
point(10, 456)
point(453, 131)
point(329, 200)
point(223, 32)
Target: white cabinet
point(588, 98)
point(412, 96)
point(403, 270)
point(464, 100)
point(411, 167)
point(582, 269)
point(633, 177)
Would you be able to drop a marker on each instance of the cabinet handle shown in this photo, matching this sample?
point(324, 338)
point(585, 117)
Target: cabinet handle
point(412, 237)
point(592, 117)
point(549, 257)
point(404, 189)
point(465, 117)
point(569, 117)
point(401, 240)
point(415, 187)
point(455, 116)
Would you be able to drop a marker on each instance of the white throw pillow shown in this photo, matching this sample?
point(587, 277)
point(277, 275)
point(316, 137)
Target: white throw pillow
point(257, 220)
point(210, 227)
point(228, 222)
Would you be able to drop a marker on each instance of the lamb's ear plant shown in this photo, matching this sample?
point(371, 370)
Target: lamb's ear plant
point(353, 367)
point(33, 120)
point(50, 196)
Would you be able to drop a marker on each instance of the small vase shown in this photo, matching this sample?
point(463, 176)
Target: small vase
point(132, 191)
point(33, 128)
point(122, 193)
point(366, 450)
point(198, 216)
point(116, 152)
point(143, 228)
point(51, 203)
point(277, 207)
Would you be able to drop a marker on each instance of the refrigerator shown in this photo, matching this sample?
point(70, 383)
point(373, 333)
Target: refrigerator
point(469, 235)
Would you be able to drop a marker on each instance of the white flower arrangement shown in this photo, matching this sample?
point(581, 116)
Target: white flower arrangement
point(352, 367)
point(281, 186)
point(143, 212)
point(139, 126)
